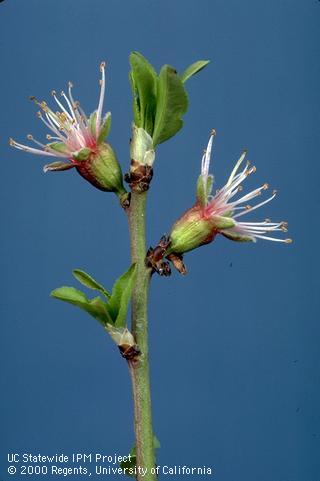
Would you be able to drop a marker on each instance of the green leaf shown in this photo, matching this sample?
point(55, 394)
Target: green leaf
point(193, 69)
point(144, 85)
point(172, 104)
point(120, 297)
point(105, 128)
point(56, 166)
point(95, 307)
point(90, 282)
point(135, 104)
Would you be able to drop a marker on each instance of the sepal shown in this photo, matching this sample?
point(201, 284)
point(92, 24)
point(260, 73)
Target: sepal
point(235, 236)
point(105, 128)
point(219, 222)
point(82, 154)
point(204, 188)
point(58, 166)
point(59, 147)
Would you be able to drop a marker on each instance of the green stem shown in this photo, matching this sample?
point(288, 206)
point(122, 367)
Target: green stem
point(139, 369)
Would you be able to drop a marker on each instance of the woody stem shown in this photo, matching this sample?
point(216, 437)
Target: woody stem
point(139, 368)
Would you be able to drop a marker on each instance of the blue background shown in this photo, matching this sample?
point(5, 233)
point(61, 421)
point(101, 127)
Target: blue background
point(235, 344)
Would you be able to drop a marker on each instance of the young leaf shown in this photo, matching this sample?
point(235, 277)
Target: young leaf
point(193, 69)
point(172, 104)
point(95, 307)
point(120, 297)
point(90, 282)
point(135, 105)
point(144, 85)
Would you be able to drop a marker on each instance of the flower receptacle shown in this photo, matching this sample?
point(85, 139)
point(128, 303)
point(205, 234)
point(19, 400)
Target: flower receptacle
point(102, 169)
point(191, 231)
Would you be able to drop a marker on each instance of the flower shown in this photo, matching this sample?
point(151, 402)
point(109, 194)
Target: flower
point(78, 140)
point(219, 213)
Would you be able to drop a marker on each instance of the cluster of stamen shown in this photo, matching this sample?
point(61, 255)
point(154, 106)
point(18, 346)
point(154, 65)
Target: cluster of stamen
point(69, 125)
point(223, 203)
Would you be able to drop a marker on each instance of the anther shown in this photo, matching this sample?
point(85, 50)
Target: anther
point(48, 136)
point(240, 188)
point(30, 137)
point(53, 93)
point(70, 84)
point(102, 66)
point(213, 132)
point(265, 186)
point(274, 192)
point(288, 241)
point(11, 142)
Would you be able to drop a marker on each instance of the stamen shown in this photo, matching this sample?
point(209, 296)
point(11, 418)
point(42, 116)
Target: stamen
point(101, 98)
point(236, 168)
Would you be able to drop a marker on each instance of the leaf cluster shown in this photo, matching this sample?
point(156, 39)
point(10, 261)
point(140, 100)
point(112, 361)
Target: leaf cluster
point(159, 101)
point(109, 309)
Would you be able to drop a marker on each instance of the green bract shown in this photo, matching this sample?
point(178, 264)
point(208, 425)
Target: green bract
point(141, 146)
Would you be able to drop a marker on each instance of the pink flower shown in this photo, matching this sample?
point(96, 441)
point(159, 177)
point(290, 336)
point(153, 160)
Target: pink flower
point(220, 213)
point(78, 140)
